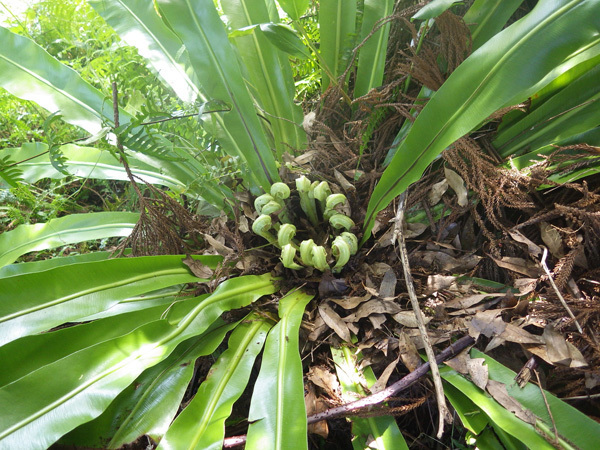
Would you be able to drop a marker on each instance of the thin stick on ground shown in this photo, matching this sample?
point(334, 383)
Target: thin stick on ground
point(557, 291)
point(444, 413)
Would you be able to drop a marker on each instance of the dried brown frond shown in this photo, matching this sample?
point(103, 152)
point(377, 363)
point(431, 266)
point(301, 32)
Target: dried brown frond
point(422, 66)
point(564, 267)
point(162, 226)
point(497, 188)
point(455, 39)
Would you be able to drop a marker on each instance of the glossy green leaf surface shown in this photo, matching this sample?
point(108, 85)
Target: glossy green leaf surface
point(285, 39)
point(485, 18)
point(150, 403)
point(77, 388)
point(62, 231)
point(471, 416)
point(371, 57)
point(572, 424)
point(573, 110)
point(269, 70)
point(35, 302)
point(201, 425)
point(434, 9)
point(45, 264)
point(337, 30)
point(216, 67)
point(277, 413)
point(29, 72)
point(29, 353)
point(382, 430)
point(294, 8)
point(514, 64)
point(89, 162)
point(138, 24)
point(498, 415)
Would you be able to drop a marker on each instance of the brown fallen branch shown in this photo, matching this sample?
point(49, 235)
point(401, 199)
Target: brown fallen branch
point(380, 396)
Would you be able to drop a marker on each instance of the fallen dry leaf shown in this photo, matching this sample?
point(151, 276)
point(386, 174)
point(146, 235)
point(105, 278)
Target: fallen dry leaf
point(351, 302)
point(198, 269)
point(326, 380)
point(500, 394)
point(437, 191)
point(315, 405)
point(489, 323)
point(408, 352)
point(334, 321)
point(478, 371)
point(553, 240)
point(519, 265)
point(458, 186)
point(387, 289)
point(533, 248)
point(408, 319)
point(381, 382)
point(217, 245)
point(467, 302)
point(375, 306)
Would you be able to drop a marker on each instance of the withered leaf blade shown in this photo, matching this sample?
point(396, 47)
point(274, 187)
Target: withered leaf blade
point(375, 306)
point(500, 394)
point(478, 372)
point(335, 322)
point(519, 265)
point(198, 269)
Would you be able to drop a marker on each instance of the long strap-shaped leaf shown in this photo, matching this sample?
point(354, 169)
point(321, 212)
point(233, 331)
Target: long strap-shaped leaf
point(64, 230)
point(35, 302)
point(514, 64)
point(277, 412)
point(138, 24)
point(29, 72)
point(76, 389)
point(201, 425)
point(30, 353)
point(150, 403)
point(215, 64)
point(336, 27)
point(371, 59)
point(269, 72)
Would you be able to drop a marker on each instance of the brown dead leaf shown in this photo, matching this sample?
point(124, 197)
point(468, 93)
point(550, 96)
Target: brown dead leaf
point(467, 302)
point(519, 265)
point(375, 306)
point(387, 289)
point(478, 371)
point(408, 319)
point(408, 352)
point(457, 184)
point(334, 321)
point(217, 245)
point(315, 405)
point(489, 323)
point(533, 248)
point(377, 320)
point(553, 240)
point(322, 377)
point(351, 302)
point(381, 382)
point(198, 269)
point(500, 394)
point(437, 191)
point(557, 350)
